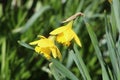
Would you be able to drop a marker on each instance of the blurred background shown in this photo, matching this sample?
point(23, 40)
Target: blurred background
point(23, 20)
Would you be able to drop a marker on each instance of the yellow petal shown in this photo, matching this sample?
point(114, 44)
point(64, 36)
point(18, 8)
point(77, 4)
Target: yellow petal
point(68, 34)
point(70, 24)
point(58, 53)
point(45, 51)
point(42, 37)
point(37, 41)
point(53, 52)
point(34, 42)
point(52, 38)
point(65, 37)
point(45, 43)
point(62, 29)
point(58, 30)
point(66, 43)
point(47, 56)
point(37, 49)
point(60, 38)
point(77, 40)
point(63, 41)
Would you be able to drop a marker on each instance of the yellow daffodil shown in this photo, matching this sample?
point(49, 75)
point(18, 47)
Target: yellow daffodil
point(46, 47)
point(65, 34)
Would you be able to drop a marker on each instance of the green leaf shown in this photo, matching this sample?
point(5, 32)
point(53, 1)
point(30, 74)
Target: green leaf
point(32, 20)
point(54, 72)
point(111, 75)
point(80, 64)
point(69, 61)
point(118, 48)
point(97, 50)
point(25, 45)
point(104, 73)
point(62, 69)
point(116, 10)
point(114, 55)
point(94, 42)
point(3, 61)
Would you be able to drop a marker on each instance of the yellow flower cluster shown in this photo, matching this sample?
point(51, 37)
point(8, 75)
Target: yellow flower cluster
point(63, 35)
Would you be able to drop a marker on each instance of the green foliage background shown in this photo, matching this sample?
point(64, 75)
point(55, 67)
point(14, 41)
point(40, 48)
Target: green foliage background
point(22, 20)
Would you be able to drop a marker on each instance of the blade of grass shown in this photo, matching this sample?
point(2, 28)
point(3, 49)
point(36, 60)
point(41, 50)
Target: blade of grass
point(112, 51)
point(116, 10)
point(69, 61)
point(32, 20)
point(25, 45)
point(118, 47)
point(110, 72)
point(113, 24)
point(3, 62)
point(54, 72)
point(80, 6)
point(104, 73)
point(94, 42)
point(62, 69)
point(97, 50)
point(80, 64)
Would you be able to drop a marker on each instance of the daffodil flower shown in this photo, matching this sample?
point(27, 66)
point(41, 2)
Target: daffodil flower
point(65, 34)
point(46, 47)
